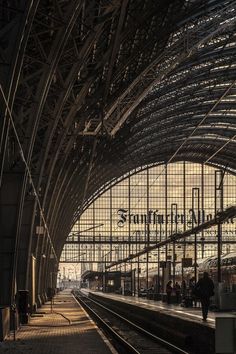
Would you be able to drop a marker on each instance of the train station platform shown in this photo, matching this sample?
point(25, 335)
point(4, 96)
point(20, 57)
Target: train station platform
point(183, 325)
point(188, 313)
point(66, 329)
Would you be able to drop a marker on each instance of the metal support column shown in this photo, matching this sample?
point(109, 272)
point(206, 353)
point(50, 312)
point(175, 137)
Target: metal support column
point(134, 274)
point(129, 211)
point(147, 221)
point(219, 178)
point(202, 211)
point(184, 211)
point(166, 212)
point(131, 277)
point(93, 234)
point(158, 270)
point(110, 224)
point(147, 270)
point(138, 287)
point(219, 238)
point(195, 220)
point(174, 213)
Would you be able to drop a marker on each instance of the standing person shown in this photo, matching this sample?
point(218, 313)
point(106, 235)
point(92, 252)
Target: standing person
point(177, 292)
point(158, 286)
point(192, 286)
point(204, 290)
point(168, 291)
point(183, 288)
point(151, 292)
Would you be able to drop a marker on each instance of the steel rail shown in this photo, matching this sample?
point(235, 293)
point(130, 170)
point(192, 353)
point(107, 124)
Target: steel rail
point(146, 333)
point(120, 340)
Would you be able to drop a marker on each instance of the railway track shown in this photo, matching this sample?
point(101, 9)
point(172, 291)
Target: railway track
point(125, 335)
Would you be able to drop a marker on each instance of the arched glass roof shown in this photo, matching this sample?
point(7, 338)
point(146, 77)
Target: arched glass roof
point(147, 207)
point(108, 87)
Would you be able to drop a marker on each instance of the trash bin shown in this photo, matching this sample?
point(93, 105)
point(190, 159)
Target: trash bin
point(227, 301)
point(23, 306)
point(225, 334)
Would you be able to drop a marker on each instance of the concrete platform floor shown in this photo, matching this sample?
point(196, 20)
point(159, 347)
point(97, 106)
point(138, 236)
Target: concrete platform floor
point(189, 314)
point(67, 330)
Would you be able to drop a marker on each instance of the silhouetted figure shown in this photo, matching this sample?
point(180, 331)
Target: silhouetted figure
point(183, 288)
point(204, 290)
point(177, 292)
point(158, 285)
point(151, 291)
point(169, 291)
point(192, 285)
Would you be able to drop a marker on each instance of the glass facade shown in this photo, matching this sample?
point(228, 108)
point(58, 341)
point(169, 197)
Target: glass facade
point(147, 207)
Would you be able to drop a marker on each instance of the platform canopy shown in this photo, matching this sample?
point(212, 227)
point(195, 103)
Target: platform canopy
point(93, 89)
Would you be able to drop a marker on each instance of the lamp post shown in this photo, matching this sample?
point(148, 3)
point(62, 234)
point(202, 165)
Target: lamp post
point(138, 277)
point(53, 276)
point(51, 281)
point(219, 179)
point(173, 216)
point(195, 212)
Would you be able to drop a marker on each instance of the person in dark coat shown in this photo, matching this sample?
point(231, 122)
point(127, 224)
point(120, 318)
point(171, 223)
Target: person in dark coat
point(183, 288)
point(168, 291)
point(177, 289)
point(204, 290)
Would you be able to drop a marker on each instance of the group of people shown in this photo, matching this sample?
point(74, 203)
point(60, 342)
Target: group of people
point(202, 290)
point(170, 289)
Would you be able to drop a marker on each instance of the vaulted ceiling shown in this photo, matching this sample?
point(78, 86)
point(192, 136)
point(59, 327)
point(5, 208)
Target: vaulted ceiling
point(96, 88)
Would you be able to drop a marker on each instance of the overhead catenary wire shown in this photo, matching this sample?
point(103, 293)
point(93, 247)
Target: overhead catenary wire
point(221, 148)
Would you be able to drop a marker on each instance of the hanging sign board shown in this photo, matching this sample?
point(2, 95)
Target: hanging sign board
point(187, 262)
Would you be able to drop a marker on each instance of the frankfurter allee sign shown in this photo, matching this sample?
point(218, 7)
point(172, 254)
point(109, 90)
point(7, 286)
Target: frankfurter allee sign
point(153, 217)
